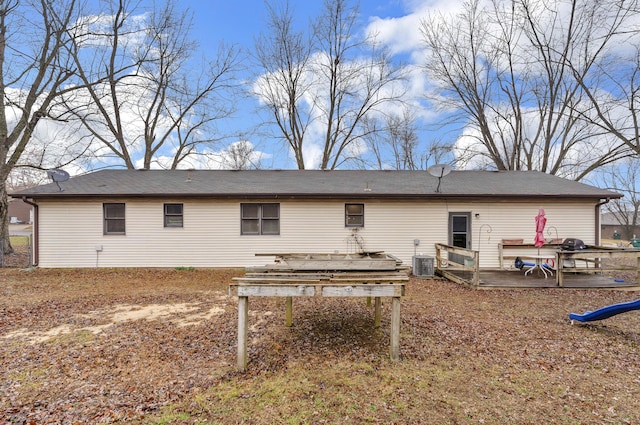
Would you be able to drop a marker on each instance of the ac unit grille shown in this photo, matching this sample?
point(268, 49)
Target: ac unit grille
point(422, 265)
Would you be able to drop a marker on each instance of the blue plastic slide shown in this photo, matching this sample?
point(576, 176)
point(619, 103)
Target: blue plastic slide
point(606, 312)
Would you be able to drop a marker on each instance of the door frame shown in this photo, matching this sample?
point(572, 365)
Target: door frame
point(458, 258)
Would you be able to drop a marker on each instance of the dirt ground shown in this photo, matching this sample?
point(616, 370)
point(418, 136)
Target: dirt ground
point(159, 347)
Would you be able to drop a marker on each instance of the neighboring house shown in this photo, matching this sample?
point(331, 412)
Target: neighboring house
point(154, 218)
point(613, 228)
point(19, 211)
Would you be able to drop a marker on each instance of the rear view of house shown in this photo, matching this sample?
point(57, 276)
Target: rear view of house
point(216, 218)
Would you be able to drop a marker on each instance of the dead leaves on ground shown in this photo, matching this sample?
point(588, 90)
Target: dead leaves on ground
point(466, 354)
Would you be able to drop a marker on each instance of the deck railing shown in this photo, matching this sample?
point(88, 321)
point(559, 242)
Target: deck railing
point(508, 252)
point(451, 260)
point(463, 266)
point(598, 260)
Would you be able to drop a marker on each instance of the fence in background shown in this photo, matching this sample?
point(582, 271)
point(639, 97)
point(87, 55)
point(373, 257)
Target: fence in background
point(21, 255)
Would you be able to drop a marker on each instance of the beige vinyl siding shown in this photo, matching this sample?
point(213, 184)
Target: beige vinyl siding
point(70, 231)
point(393, 227)
point(516, 220)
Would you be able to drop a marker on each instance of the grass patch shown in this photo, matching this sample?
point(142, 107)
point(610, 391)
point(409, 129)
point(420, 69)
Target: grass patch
point(187, 269)
point(28, 379)
point(19, 240)
point(170, 417)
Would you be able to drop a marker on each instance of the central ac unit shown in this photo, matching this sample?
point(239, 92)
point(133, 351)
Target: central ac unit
point(422, 265)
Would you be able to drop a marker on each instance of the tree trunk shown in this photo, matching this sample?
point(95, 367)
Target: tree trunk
point(4, 220)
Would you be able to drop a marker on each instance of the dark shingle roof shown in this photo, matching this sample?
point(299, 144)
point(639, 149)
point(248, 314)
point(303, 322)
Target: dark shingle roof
point(315, 184)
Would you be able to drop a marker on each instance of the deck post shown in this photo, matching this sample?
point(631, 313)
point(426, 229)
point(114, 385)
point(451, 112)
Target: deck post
point(289, 311)
point(377, 315)
point(476, 268)
point(243, 324)
point(395, 328)
point(559, 269)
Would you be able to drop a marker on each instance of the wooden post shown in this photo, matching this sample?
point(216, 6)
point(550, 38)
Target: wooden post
point(559, 268)
point(243, 324)
point(289, 314)
point(476, 268)
point(395, 328)
point(377, 315)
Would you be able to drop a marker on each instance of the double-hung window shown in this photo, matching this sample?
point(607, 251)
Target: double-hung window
point(173, 215)
point(260, 219)
point(114, 219)
point(354, 215)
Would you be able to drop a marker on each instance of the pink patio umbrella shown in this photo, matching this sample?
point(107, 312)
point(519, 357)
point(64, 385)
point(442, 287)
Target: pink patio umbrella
point(541, 221)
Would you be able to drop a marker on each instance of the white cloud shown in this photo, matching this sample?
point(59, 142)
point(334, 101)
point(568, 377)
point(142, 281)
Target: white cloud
point(402, 34)
point(313, 101)
point(577, 153)
point(239, 154)
point(93, 30)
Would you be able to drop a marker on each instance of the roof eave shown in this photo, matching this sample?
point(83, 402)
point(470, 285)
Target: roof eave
point(368, 195)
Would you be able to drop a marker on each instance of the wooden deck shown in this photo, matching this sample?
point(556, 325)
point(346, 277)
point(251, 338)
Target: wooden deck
point(514, 278)
point(594, 267)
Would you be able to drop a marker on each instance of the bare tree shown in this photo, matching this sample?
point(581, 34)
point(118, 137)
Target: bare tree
point(507, 68)
point(241, 155)
point(355, 85)
point(321, 87)
point(33, 71)
point(24, 178)
point(624, 178)
point(393, 143)
point(283, 54)
point(144, 100)
point(614, 91)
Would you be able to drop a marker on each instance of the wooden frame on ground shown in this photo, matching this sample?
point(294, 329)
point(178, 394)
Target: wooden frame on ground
point(372, 287)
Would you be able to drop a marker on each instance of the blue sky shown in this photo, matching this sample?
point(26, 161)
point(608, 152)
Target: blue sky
point(231, 21)
point(240, 22)
point(397, 24)
point(236, 23)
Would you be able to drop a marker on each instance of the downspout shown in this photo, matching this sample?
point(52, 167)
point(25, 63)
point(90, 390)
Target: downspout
point(36, 232)
point(598, 205)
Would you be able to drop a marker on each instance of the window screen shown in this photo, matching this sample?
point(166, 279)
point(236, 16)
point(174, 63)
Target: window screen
point(354, 215)
point(260, 219)
point(114, 220)
point(173, 216)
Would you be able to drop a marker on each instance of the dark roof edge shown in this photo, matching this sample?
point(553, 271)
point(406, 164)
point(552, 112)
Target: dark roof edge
point(434, 196)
